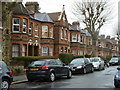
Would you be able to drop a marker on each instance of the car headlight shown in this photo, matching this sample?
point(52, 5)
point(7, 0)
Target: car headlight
point(79, 67)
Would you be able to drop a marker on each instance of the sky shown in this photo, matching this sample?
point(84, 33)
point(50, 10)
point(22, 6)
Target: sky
point(49, 6)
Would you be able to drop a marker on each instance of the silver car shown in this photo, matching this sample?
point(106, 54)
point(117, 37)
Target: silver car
point(98, 63)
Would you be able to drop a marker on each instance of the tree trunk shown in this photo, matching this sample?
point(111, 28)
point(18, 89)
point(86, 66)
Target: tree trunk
point(93, 47)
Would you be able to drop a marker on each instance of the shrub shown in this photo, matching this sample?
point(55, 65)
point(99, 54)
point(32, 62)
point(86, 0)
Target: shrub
point(66, 58)
point(78, 57)
point(108, 58)
point(87, 56)
point(26, 60)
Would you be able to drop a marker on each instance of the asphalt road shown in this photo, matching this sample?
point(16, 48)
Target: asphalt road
point(97, 79)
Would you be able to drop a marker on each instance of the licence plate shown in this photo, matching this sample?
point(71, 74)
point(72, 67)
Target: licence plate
point(34, 69)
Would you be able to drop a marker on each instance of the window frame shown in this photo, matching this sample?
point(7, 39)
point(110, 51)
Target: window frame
point(62, 33)
point(46, 52)
point(51, 32)
point(36, 30)
point(74, 37)
point(30, 28)
point(24, 53)
point(15, 24)
point(44, 31)
point(15, 51)
point(25, 25)
point(51, 52)
point(66, 34)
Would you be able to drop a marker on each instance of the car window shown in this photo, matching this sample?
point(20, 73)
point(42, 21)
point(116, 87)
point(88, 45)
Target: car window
point(87, 61)
point(53, 62)
point(59, 62)
point(37, 63)
point(77, 61)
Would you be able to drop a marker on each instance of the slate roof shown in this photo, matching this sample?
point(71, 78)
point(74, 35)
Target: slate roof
point(54, 16)
point(43, 17)
point(87, 33)
point(20, 9)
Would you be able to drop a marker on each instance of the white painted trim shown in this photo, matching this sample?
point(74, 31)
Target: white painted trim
point(1, 27)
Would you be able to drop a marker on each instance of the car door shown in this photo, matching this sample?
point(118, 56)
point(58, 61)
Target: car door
point(88, 65)
point(63, 69)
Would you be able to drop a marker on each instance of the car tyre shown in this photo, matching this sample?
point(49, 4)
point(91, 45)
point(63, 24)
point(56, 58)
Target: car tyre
point(69, 75)
point(84, 71)
point(116, 86)
point(30, 80)
point(92, 69)
point(5, 84)
point(52, 77)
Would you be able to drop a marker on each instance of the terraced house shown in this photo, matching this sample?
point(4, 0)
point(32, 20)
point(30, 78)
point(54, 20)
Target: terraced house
point(49, 34)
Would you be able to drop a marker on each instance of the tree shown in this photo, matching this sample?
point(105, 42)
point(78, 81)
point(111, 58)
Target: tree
point(7, 9)
point(94, 15)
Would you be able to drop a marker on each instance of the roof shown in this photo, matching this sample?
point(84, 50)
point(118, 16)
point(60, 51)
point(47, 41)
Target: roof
point(43, 17)
point(54, 16)
point(20, 9)
point(87, 33)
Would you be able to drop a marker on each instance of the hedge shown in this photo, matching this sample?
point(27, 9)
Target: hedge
point(26, 60)
point(67, 58)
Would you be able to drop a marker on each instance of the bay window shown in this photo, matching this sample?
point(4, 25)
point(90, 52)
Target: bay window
point(81, 39)
point(62, 34)
point(24, 25)
point(36, 30)
point(61, 49)
point(65, 34)
point(15, 50)
point(24, 50)
point(51, 32)
point(16, 24)
point(44, 31)
point(30, 28)
point(78, 37)
point(74, 37)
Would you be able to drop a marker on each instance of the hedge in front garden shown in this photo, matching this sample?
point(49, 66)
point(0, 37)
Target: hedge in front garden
point(66, 58)
point(26, 60)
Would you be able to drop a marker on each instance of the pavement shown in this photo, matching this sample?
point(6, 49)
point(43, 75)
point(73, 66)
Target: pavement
point(19, 79)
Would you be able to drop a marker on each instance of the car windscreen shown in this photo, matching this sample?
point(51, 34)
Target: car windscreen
point(77, 61)
point(114, 59)
point(94, 59)
point(37, 63)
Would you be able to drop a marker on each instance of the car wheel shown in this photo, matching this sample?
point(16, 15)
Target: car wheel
point(5, 84)
point(52, 77)
point(84, 71)
point(92, 69)
point(69, 75)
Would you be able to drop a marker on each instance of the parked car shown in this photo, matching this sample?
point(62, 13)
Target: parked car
point(117, 78)
point(48, 69)
point(98, 63)
point(5, 76)
point(81, 65)
point(114, 61)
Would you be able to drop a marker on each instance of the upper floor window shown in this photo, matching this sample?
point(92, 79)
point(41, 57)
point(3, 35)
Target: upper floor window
point(69, 37)
point(16, 24)
point(65, 34)
point(24, 25)
point(78, 37)
point(36, 30)
point(62, 34)
point(45, 31)
point(74, 37)
point(51, 32)
point(81, 39)
point(99, 44)
point(65, 50)
point(24, 53)
point(30, 28)
point(89, 41)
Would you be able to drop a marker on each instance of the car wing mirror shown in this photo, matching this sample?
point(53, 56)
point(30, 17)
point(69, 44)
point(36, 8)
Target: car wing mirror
point(64, 64)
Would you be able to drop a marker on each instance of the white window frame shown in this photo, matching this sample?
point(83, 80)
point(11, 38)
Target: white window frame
point(36, 30)
point(15, 51)
point(30, 28)
point(78, 37)
point(25, 25)
point(24, 50)
point(62, 33)
point(51, 51)
point(16, 25)
point(44, 31)
point(51, 31)
point(45, 52)
point(65, 34)
point(74, 37)
point(81, 38)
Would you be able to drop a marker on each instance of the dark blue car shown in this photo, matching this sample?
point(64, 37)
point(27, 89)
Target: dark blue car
point(5, 76)
point(117, 78)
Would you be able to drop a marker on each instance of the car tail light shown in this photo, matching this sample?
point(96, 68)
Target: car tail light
point(45, 67)
point(26, 68)
point(10, 72)
point(115, 76)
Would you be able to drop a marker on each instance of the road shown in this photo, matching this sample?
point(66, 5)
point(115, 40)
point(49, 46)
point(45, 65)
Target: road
point(97, 79)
